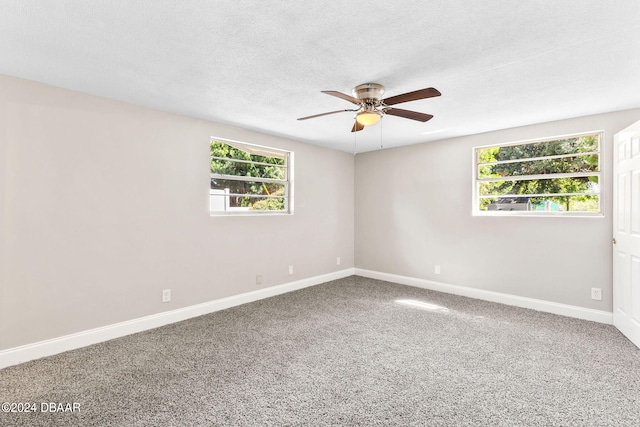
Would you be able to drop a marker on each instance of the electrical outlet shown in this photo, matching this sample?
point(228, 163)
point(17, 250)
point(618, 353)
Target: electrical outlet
point(338, 261)
point(166, 295)
point(596, 294)
point(259, 279)
point(437, 269)
point(290, 270)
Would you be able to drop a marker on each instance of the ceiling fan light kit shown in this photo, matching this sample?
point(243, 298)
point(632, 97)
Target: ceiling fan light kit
point(371, 106)
point(368, 118)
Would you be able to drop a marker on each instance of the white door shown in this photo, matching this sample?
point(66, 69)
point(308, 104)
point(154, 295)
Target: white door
point(626, 232)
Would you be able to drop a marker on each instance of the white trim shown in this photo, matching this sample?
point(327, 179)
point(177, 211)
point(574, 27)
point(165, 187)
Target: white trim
point(16, 355)
point(514, 300)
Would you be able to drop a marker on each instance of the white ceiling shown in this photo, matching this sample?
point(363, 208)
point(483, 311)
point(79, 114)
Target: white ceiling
point(261, 64)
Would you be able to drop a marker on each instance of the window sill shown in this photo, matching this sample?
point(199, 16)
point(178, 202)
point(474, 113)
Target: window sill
point(253, 214)
point(539, 215)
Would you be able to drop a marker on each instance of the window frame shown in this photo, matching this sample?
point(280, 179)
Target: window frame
point(476, 181)
point(261, 150)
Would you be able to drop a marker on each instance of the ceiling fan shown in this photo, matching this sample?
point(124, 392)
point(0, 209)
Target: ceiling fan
point(371, 107)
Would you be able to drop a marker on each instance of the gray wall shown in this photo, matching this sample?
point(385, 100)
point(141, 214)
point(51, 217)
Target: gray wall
point(105, 204)
point(413, 211)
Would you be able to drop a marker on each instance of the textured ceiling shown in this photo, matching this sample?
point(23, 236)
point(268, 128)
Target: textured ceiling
point(262, 64)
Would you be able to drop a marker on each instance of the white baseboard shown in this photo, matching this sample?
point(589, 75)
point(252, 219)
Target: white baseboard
point(16, 355)
point(534, 304)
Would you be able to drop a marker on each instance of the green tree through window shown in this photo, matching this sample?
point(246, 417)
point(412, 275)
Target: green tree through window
point(560, 174)
point(249, 177)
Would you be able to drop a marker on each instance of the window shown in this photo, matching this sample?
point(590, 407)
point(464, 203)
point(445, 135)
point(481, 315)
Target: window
point(249, 179)
point(561, 175)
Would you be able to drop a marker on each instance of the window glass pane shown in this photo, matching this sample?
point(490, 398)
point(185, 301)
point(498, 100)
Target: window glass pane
point(248, 187)
point(540, 186)
point(267, 204)
point(582, 203)
point(231, 167)
point(256, 150)
point(585, 163)
point(220, 202)
point(255, 167)
point(582, 144)
point(525, 176)
point(221, 149)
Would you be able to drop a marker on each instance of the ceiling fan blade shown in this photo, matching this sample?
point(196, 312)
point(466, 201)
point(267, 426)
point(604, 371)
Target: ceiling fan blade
point(324, 114)
point(357, 127)
point(343, 96)
point(413, 115)
point(412, 96)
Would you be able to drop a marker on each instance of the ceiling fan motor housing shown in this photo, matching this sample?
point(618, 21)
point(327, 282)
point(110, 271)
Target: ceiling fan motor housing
point(368, 91)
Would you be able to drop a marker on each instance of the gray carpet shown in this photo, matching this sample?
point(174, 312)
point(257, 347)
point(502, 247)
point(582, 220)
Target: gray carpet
point(344, 353)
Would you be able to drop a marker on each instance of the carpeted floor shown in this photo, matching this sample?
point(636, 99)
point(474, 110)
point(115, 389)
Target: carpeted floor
point(350, 352)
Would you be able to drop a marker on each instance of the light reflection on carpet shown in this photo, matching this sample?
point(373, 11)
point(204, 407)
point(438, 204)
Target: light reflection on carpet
point(423, 305)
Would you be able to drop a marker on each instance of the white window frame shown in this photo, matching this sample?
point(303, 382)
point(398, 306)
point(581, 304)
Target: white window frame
point(261, 150)
point(476, 211)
